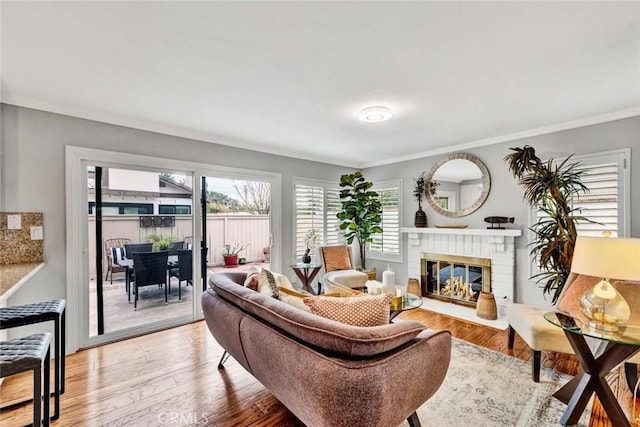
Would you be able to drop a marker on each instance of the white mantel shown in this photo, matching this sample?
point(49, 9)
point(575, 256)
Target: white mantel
point(498, 245)
point(471, 231)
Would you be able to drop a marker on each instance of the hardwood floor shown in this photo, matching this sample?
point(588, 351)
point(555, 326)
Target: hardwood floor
point(171, 378)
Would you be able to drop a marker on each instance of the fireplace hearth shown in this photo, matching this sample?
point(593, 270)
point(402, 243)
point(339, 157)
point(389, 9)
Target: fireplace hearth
point(458, 279)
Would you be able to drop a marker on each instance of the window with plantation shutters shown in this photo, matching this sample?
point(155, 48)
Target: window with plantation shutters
point(607, 203)
point(316, 206)
point(387, 245)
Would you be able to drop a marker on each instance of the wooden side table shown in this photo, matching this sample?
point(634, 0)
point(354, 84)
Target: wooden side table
point(306, 273)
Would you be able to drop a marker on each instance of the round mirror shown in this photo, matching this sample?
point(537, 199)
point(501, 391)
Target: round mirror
point(457, 185)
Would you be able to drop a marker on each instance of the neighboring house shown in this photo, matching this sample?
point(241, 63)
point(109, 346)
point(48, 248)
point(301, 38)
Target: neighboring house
point(128, 192)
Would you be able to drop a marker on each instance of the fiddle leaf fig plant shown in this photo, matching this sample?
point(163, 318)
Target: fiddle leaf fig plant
point(549, 187)
point(361, 213)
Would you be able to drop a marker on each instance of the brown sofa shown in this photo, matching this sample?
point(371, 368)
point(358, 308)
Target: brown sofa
point(325, 372)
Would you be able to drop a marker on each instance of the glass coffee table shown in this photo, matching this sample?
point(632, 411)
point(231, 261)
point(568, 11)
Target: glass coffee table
point(613, 349)
point(409, 303)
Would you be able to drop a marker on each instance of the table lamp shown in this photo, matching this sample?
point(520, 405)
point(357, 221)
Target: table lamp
point(606, 258)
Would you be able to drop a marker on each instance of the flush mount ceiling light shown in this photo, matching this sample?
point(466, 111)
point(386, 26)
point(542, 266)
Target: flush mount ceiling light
point(375, 114)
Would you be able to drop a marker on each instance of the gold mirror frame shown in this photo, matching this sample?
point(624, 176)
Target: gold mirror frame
point(486, 185)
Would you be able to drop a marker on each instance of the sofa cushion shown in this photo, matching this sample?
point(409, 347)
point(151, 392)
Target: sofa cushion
point(356, 311)
point(324, 334)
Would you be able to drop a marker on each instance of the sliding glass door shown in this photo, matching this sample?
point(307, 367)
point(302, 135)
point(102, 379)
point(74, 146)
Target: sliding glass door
point(122, 208)
point(133, 212)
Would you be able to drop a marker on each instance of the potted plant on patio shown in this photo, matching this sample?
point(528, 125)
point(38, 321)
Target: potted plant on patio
point(550, 187)
point(161, 243)
point(230, 254)
point(361, 213)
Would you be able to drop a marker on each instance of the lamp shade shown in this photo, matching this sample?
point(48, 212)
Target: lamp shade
point(607, 257)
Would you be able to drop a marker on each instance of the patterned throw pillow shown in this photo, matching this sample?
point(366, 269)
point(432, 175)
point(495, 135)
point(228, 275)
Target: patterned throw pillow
point(356, 311)
point(251, 281)
point(267, 283)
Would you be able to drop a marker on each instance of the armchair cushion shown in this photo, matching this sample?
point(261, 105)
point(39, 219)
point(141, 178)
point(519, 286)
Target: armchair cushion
point(348, 278)
point(336, 258)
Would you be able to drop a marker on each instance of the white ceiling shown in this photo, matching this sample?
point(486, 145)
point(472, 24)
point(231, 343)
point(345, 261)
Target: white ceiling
point(291, 77)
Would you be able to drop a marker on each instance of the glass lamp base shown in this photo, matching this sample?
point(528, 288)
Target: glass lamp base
point(606, 327)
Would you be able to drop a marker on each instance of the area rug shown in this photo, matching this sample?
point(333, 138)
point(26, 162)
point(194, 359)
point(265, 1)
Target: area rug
point(484, 388)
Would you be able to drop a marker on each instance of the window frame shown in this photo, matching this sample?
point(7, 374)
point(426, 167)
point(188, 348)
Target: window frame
point(382, 255)
point(325, 185)
point(623, 158)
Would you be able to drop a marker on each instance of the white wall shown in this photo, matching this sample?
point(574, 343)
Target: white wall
point(505, 198)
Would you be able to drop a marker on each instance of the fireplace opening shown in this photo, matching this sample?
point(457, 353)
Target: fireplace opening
point(454, 278)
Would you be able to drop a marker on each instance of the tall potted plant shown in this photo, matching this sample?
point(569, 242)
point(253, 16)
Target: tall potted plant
point(361, 213)
point(549, 187)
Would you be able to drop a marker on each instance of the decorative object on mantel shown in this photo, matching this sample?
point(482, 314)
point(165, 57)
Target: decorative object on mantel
point(420, 219)
point(445, 181)
point(493, 220)
point(450, 225)
point(361, 213)
point(549, 187)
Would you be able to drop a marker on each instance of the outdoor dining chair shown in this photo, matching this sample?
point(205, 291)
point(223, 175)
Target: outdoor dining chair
point(150, 268)
point(184, 270)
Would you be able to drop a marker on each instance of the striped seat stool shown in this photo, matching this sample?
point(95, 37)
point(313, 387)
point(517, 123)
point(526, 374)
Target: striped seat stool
point(30, 314)
point(30, 354)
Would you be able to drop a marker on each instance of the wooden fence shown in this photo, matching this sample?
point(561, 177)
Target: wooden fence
point(222, 229)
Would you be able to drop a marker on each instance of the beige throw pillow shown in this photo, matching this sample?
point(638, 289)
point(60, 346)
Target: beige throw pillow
point(356, 311)
point(293, 298)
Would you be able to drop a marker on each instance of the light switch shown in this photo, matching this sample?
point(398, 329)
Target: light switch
point(36, 232)
point(14, 222)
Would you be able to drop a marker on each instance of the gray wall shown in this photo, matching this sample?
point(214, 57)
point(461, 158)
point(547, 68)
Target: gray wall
point(33, 175)
point(505, 198)
point(33, 179)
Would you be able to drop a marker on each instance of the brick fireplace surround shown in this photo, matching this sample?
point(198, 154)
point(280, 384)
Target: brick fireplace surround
point(496, 245)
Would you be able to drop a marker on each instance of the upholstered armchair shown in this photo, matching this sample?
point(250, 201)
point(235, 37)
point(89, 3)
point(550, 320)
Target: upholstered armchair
point(339, 268)
point(540, 335)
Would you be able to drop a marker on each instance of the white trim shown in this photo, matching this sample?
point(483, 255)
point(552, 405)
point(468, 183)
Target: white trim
point(622, 155)
point(382, 256)
point(514, 232)
point(118, 120)
point(77, 158)
point(573, 124)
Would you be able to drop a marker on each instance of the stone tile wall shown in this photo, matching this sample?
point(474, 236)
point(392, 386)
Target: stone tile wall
point(16, 246)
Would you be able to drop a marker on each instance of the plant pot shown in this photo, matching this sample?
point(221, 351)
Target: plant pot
point(420, 220)
point(230, 260)
point(306, 259)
